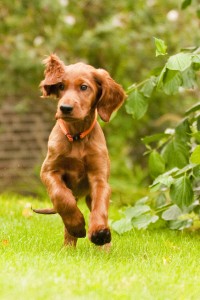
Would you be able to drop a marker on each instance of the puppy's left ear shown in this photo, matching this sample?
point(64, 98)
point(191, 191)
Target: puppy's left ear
point(112, 94)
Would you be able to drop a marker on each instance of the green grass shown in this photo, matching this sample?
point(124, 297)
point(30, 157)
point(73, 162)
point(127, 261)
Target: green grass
point(159, 264)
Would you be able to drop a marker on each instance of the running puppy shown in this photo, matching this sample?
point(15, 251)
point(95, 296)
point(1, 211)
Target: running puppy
point(77, 162)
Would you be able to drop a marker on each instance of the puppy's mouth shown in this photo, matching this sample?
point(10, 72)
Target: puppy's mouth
point(67, 118)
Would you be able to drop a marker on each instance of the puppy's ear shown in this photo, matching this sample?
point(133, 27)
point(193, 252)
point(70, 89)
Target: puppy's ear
point(111, 97)
point(54, 73)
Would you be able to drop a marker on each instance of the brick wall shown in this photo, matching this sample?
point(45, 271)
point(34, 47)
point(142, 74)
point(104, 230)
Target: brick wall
point(23, 146)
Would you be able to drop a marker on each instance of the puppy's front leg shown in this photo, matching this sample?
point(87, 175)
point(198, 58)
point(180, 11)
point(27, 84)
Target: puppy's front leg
point(99, 232)
point(69, 240)
point(64, 203)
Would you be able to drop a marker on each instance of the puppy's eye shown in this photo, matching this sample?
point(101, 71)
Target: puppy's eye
point(83, 87)
point(61, 87)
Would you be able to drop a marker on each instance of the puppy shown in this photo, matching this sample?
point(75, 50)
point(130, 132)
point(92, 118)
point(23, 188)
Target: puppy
point(77, 163)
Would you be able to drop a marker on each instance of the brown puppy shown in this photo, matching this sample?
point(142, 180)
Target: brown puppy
point(77, 162)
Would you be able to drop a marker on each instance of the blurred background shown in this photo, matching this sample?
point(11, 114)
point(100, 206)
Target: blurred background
point(114, 35)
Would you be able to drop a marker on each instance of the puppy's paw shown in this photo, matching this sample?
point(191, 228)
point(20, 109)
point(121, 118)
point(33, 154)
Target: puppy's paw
point(101, 237)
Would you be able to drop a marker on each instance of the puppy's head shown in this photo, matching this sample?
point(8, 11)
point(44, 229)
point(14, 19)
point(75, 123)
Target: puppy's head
point(80, 89)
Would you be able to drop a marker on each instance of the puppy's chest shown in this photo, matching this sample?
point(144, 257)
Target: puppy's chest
point(75, 173)
point(74, 166)
point(73, 161)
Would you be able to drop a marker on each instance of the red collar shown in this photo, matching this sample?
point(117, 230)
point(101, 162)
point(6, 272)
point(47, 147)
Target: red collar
point(78, 136)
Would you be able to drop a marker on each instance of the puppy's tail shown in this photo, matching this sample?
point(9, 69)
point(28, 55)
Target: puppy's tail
point(45, 211)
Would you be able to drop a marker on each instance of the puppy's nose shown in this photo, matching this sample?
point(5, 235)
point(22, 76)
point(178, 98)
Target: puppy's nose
point(66, 109)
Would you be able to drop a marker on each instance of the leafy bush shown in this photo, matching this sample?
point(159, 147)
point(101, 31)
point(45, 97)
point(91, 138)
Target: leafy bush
point(174, 155)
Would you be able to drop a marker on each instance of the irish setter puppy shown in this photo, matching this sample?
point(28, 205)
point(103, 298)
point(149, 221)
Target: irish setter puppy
point(77, 162)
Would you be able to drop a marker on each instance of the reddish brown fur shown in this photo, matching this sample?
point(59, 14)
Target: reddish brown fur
point(80, 168)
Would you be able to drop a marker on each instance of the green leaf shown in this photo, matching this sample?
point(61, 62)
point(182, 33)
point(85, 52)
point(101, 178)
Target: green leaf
point(122, 226)
point(196, 171)
point(156, 71)
point(161, 48)
point(161, 181)
point(136, 105)
point(172, 213)
point(185, 4)
point(181, 192)
point(136, 211)
point(196, 136)
point(180, 224)
point(189, 78)
point(156, 164)
point(155, 138)
point(165, 179)
point(148, 87)
point(195, 157)
point(183, 131)
point(171, 82)
point(142, 201)
point(179, 62)
point(144, 220)
point(175, 154)
point(160, 201)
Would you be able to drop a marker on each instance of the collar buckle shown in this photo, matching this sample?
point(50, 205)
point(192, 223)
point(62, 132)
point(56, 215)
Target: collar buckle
point(76, 137)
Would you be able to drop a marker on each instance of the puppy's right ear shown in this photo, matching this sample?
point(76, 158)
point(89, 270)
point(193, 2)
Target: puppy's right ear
point(54, 74)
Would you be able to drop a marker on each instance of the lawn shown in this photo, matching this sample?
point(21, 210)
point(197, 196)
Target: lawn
point(156, 264)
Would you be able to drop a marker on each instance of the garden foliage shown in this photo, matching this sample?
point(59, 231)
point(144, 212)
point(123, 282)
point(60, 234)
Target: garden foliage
point(173, 155)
